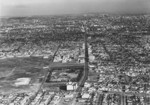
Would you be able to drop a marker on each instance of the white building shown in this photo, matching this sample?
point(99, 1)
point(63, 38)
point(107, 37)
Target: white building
point(71, 85)
point(69, 96)
point(86, 95)
point(81, 58)
point(91, 57)
point(58, 59)
point(87, 85)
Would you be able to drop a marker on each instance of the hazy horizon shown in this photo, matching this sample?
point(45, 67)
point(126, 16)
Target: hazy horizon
point(58, 7)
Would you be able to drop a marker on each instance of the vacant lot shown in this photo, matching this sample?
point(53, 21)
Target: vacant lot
point(14, 68)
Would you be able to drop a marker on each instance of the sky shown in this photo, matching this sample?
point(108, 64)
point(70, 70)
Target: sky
point(53, 7)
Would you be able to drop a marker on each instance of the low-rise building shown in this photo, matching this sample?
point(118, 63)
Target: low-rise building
point(72, 86)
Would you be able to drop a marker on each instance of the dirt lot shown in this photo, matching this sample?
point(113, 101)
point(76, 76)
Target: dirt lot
point(11, 69)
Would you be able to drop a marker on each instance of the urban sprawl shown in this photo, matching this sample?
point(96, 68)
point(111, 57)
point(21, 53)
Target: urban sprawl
point(84, 59)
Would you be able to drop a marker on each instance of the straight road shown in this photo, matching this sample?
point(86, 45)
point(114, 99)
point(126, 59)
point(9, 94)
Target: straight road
point(100, 99)
point(128, 93)
point(45, 77)
point(85, 72)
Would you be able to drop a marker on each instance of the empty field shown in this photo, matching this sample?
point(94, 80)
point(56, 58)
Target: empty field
point(14, 68)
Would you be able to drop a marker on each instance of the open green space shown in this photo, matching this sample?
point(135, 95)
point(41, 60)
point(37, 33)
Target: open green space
point(15, 68)
point(56, 65)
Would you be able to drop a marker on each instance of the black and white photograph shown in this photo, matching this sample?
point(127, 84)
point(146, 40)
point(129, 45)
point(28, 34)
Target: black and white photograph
point(74, 52)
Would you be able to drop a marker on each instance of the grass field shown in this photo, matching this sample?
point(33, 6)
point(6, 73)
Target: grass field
point(11, 69)
point(56, 65)
point(29, 67)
